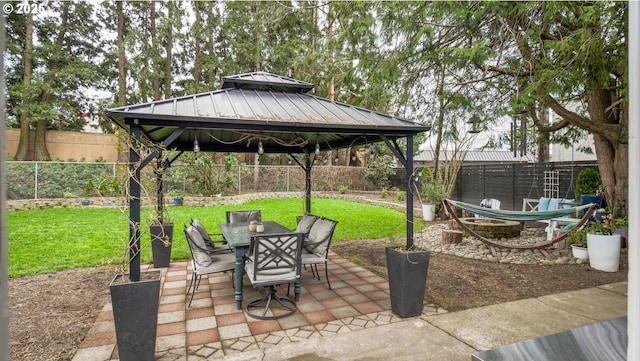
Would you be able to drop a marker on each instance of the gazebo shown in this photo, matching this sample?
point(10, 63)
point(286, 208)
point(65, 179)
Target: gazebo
point(264, 113)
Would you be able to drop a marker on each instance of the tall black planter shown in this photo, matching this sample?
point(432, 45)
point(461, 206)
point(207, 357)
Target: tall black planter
point(407, 280)
point(135, 314)
point(161, 241)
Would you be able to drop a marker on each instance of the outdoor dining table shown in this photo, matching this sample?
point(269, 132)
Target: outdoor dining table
point(238, 237)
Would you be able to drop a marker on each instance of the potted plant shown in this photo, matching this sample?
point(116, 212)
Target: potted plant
point(621, 227)
point(160, 228)
point(603, 245)
point(432, 193)
point(620, 224)
point(577, 239)
point(407, 271)
point(178, 197)
point(135, 295)
point(161, 232)
point(135, 307)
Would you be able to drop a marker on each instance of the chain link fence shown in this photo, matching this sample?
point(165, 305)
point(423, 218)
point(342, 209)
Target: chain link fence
point(39, 180)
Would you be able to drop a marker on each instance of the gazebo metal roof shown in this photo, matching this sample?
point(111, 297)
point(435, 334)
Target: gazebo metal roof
point(251, 113)
point(261, 106)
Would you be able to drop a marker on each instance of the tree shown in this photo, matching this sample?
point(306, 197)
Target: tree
point(433, 90)
point(23, 144)
point(562, 53)
point(122, 70)
point(569, 57)
point(51, 67)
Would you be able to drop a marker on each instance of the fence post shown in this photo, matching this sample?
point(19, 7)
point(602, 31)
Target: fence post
point(35, 188)
point(484, 182)
point(513, 186)
point(239, 180)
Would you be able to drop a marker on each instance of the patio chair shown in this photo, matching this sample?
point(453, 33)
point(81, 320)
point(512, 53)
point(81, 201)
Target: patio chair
point(243, 216)
point(488, 203)
point(316, 246)
point(305, 223)
point(211, 246)
point(276, 262)
point(204, 263)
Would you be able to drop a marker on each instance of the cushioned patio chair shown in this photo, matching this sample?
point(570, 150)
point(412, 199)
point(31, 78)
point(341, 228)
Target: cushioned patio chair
point(276, 262)
point(204, 263)
point(304, 223)
point(211, 246)
point(316, 246)
point(244, 216)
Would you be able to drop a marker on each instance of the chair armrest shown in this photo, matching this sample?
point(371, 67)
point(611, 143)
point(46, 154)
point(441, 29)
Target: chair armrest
point(220, 241)
point(561, 205)
point(530, 204)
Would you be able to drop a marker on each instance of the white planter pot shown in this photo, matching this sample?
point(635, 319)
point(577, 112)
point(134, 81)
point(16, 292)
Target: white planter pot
point(604, 252)
point(429, 212)
point(579, 252)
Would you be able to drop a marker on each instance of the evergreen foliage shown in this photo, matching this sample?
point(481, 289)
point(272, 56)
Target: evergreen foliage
point(588, 182)
point(433, 62)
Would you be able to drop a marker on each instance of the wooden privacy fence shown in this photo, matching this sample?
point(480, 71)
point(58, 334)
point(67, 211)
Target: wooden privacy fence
point(510, 183)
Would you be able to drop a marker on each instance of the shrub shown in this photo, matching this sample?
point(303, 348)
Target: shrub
point(378, 171)
point(207, 177)
point(588, 182)
point(433, 190)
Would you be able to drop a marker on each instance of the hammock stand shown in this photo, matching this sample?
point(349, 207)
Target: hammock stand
point(516, 216)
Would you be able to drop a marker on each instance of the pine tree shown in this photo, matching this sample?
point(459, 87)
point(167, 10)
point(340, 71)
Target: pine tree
point(57, 62)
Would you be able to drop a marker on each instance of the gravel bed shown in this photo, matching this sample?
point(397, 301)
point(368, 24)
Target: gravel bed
point(431, 238)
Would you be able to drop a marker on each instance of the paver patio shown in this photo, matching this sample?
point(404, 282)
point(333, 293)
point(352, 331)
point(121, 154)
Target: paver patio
point(213, 327)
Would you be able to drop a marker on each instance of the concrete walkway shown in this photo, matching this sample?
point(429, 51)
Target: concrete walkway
point(456, 336)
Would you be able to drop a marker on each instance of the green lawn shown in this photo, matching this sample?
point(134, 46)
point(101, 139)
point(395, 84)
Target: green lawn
point(42, 241)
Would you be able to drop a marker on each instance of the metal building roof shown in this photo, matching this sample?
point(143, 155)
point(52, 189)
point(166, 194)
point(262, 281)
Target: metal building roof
point(262, 80)
point(272, 109)
point(482, 156)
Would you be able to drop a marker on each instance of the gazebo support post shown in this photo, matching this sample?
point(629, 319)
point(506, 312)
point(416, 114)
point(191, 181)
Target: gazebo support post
point(307, 171)
point(409, 167)
point(307, 184)
point(134, 203)
point(407, 162)
point(160, 168)
point(135, 167)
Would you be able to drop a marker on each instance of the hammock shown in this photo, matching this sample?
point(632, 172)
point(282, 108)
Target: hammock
point(518, 217)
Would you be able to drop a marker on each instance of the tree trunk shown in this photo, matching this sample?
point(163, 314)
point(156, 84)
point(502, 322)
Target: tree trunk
point(154, 52)
point(142, 80)
point(197, 25)
point(256, 169)
point(122, 72)
point(441, 114)
point(23, 145)
point(212, 70)
point(451, 237)
point(168, 49)
point(543, 141)
point(611, 153)
point(40, 144)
